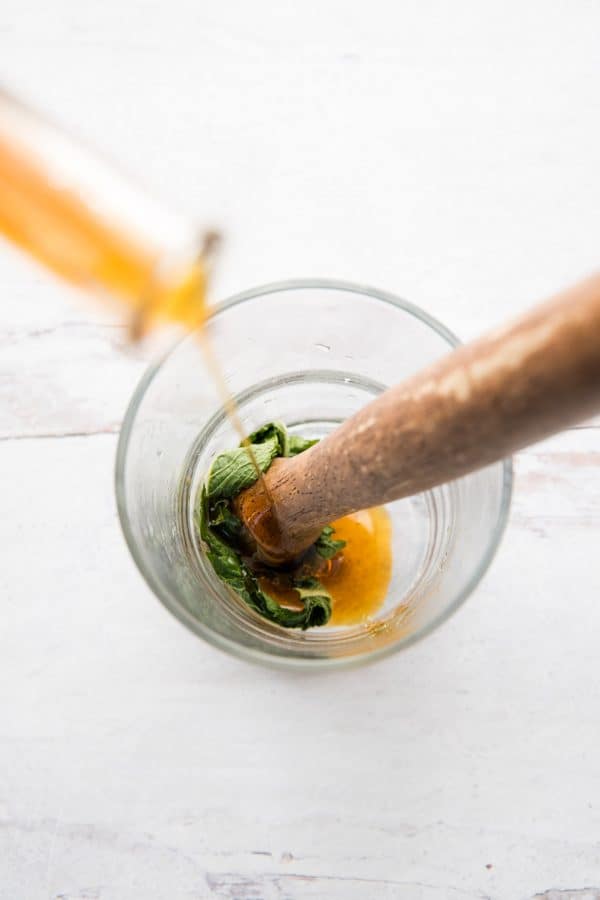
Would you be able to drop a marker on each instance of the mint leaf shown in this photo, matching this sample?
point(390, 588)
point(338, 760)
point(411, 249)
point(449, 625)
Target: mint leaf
point(299, 444)
point(317, 607)
point(272, 431)
point(227, 524)
point(233, 470)
point(221, 531)
point(326, 546)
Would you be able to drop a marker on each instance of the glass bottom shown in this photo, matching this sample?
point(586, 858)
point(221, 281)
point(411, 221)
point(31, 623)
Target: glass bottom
point(312, 404)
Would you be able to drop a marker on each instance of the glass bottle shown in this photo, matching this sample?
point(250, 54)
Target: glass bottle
point(81, 218)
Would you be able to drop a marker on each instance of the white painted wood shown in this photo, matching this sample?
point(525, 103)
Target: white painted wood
point(449, 153)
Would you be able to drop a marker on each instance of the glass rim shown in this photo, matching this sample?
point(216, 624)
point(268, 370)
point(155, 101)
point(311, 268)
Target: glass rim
point(233, 647)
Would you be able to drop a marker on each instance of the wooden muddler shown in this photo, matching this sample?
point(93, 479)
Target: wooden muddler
point(475, 406)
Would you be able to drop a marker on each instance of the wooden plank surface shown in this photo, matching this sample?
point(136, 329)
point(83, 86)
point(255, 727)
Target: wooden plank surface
point(448, 153)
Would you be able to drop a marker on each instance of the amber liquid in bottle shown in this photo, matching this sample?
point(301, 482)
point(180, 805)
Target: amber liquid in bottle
point(57, 227)
point(60, 230)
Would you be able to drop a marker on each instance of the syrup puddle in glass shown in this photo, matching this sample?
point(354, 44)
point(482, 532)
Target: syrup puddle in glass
point(357, 578)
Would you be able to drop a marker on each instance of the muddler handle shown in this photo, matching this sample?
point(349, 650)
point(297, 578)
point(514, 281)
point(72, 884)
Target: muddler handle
point(475, 406)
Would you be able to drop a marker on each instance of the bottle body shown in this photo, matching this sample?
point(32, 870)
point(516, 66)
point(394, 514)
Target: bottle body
point(81, 218)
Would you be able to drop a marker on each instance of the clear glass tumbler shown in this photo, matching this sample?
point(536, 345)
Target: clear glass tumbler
point(309, 353)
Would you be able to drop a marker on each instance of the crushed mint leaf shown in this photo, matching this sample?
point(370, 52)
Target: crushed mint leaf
point(220, 530)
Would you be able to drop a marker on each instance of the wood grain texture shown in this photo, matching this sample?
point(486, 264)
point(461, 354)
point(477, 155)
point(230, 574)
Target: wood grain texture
point(444, 152)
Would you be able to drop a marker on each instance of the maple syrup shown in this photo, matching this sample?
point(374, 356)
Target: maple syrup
point(357, 578)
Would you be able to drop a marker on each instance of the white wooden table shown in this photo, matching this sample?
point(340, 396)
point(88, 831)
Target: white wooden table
point(449, 153)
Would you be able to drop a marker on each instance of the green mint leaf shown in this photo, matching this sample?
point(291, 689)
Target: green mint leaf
point(299, 444)
point(317, 608)
point(227, 524)
point(233, 470)
point(272, 431)
point(220, 530)
point(326, 546)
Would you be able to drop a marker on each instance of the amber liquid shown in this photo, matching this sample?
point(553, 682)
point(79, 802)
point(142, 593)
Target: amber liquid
point(60, 230)
point(357, 578)
point(359, 583)
point(231, 409)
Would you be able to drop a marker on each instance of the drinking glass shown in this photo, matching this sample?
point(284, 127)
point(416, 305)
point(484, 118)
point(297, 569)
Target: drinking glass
point(307, 353)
